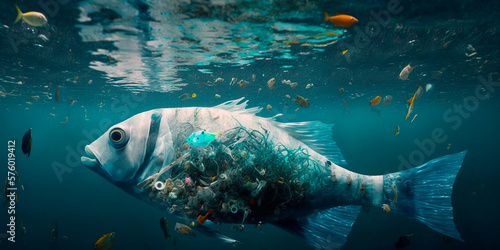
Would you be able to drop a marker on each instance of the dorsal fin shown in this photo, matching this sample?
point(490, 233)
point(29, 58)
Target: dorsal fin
point(233, 106)
point(316, 135)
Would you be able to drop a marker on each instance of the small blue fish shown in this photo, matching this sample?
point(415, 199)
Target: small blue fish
point(200, 139)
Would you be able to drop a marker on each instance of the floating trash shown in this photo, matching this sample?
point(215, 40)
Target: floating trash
point(428, 87)
point(243, 83)
point(271, 82)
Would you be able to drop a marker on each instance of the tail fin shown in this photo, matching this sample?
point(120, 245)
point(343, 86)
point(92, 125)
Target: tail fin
point(424, 193)
point(19, 14)
point(327, 17)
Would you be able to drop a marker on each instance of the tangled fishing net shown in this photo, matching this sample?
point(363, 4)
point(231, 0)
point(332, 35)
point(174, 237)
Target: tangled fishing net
point(242, 175)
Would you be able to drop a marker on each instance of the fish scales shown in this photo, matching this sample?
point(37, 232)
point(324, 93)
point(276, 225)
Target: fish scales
point(257, 170)
point(323, 192)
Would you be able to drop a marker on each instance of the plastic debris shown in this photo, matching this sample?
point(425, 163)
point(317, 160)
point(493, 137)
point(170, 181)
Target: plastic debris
point(291, 84)
point(233, 81)
point(271, 82)
point(243, 83)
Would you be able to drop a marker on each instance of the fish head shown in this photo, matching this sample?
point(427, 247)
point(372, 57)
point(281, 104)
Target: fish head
point(130, 150)
point(200, 139)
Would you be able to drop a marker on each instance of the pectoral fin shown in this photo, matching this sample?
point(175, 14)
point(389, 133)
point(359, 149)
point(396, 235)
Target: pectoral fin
point(327, 229)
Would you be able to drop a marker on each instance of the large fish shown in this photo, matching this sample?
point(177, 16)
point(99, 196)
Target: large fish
point(261, 170)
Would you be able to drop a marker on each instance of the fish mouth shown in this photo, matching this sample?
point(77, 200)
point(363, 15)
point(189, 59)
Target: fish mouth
point(91, 159)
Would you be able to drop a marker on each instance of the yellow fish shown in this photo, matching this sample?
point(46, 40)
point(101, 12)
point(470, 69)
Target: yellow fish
point(410, 107)
point(183, 229)
point(397, 130)
point(105, 242)
point(164, 227)
point(35, 19)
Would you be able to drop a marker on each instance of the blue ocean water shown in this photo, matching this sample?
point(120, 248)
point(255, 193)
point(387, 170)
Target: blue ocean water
point(115, 60)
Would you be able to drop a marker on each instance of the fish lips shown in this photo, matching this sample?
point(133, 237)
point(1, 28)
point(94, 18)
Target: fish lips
point(91, 160)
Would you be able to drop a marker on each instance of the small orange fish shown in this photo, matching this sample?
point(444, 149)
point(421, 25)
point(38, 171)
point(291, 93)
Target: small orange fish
point(105, 242)
point(386, 208)
point(341, 20)
point(375, 101)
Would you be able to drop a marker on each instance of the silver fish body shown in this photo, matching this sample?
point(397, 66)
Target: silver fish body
point(256, 170)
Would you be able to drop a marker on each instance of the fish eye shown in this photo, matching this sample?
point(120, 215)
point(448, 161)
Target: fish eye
point(118, 138)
